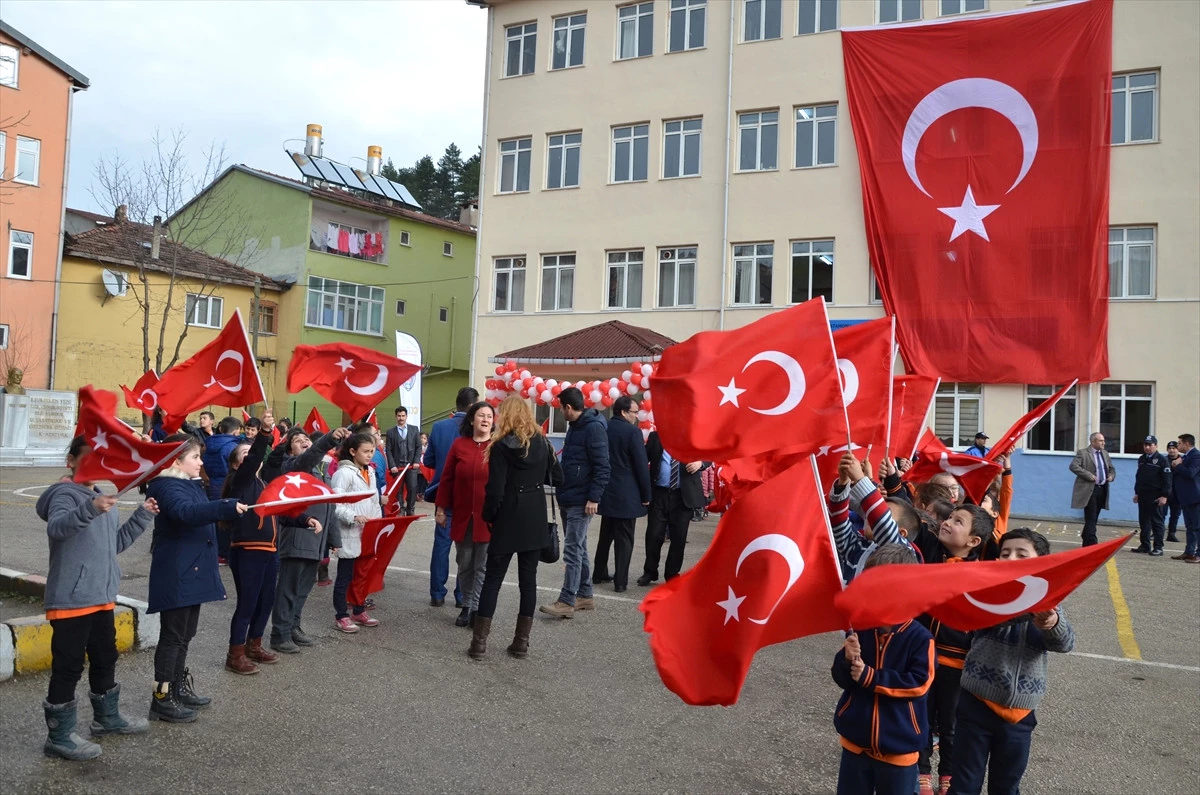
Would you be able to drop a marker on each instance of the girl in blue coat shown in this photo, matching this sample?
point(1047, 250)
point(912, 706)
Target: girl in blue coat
point(183, 575)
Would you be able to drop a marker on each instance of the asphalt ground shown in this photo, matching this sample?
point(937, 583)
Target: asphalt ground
point(400, 708)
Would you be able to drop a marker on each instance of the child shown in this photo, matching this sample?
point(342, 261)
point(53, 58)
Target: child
point(183, 575)
point(81, 591)
point(1003, 681)
point(887, 522)
point(354, 473)
point(880, 717)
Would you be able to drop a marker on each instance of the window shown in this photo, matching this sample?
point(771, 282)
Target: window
point(443, 314)
point(400, 307)
point(631, 153)
point(898, 10)
point(635, 31)
point(520, 49)
point(510, 285)
point(681, 148)
point(625, 279)
point(268, 317)
point(1126, 416)
point(568, 41)
point(1056, 431)
point(1135, 108)
point(558, 281)
point(3, 336)
point(686, 25)
point(816, 136)
point(9, 65)
point(28, 160)
point(876, 293)
point(20, 254)
point(752, 273)
point(758, 144)
point(677, 276)
point(817, 16)
point(514, 165)
point(405, 239)
point(345, 306)
point(447, 248)
point(558, 422)
point(957, 413)
point(812, 270)
point(562, 169)
point(762, 19)
point(1131, 262)
point(950, 7)
point(204, 310)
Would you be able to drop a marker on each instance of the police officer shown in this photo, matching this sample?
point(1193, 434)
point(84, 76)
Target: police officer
point(1151, 488)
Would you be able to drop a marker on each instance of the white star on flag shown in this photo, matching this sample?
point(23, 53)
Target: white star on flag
point(295, 480)
point(968, 217)
point(729, 394)
point(100, 440)
point(345, 364)
point(730, 605)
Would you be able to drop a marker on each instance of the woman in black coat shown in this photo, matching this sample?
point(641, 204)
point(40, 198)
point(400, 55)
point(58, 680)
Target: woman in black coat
point(520, 463)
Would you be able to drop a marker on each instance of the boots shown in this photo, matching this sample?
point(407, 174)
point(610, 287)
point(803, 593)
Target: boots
point(186, 693)
point(236, 662)
point(107, 717)
point(61, 739)
point(479, 637)
point(464, 618)
point(520, 644)
point(165, 705)
point(256, 652)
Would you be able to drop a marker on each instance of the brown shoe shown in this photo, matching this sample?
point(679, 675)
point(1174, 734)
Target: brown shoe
point(519, 648)
point(237, 662)
point(479, 636)
point(1180, 556)
point(256, 652)
point(585, 603)
point(558, 610)
point(1192, 559)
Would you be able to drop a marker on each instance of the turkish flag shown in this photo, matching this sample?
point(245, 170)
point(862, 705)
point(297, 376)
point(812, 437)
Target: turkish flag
point(770, 575)
point(974, 596)
point(1022, 426)
point(245, 416)
point(117, 455)
point(353, 378)
point(143, 397)
point(290, 495)
point(983, 146)
point(865, 353)
point(975, 474)
point(380, 538)
point(222, 373)
point(315, 423)
point(912, 395)
point(770, 386)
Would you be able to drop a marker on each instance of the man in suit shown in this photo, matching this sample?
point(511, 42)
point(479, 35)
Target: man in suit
point(1185, 471)
point(626, 496)
point(403, 448)
point(676, 495)
point(1093, 472)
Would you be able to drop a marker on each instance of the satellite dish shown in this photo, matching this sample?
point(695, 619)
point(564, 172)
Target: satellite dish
point(114, 283)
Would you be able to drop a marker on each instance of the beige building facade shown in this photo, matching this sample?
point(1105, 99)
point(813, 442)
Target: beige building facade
point(685, 165)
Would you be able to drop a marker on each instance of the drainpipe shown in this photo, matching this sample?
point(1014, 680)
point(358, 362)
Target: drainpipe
point(728, 151)
point(483, 154)
point(62, 239)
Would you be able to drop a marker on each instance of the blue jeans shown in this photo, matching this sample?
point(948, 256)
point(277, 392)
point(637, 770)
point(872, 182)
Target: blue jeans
point(577, 579)
point(859, 773)
point(439, 563)
point(1191, 521)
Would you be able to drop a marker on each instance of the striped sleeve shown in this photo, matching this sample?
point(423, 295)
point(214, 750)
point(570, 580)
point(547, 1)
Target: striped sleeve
point(850, 544)
point(876, 511)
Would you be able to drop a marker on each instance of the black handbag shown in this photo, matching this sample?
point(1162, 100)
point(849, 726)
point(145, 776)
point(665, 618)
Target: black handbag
point(552, 550)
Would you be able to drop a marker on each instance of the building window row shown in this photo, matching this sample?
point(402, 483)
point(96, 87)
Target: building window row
point(344, 306)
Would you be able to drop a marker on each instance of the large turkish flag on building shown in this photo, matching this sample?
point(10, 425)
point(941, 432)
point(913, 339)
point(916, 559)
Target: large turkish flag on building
point(983, 145)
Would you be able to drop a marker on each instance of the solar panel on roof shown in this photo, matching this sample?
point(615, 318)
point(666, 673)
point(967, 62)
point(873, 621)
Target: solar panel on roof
point(348, 178)
point(328, 172)
point(335, 173)
point(389, 189)
point(305, 164)
point(405, 196)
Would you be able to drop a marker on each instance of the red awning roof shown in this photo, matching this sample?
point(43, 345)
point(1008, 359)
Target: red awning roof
point(613, 342)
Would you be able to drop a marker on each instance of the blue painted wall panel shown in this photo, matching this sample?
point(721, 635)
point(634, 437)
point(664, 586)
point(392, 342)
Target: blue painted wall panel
point(1042, 486)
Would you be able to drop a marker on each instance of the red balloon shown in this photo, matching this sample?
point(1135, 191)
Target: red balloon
point(556, 389)
point(556, 403)
point(510, 365)
point(622, 385)
point(499, 369)
point(637, 367)
point(646, 425)
point(607, 401)
point(637, 379)
point(646, 405)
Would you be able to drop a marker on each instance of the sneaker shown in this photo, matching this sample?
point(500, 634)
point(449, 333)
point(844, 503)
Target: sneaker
point(585, 603)
point(1156, 553)
point(222, 560)
point(944, 785)
point(325, 581)
point(365, 620)
point(559, 609)
point(284, 646)
point(345, 625)
point(369, 604)
point(925, 784)
point(1140, 550)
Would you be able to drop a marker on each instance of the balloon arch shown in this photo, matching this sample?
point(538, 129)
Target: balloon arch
point(512, 379)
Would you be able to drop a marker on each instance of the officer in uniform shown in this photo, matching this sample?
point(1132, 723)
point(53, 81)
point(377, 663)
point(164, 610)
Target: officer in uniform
point(1151, 489)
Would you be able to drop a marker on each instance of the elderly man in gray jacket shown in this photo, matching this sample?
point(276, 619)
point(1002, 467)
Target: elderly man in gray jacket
point(1093, 472)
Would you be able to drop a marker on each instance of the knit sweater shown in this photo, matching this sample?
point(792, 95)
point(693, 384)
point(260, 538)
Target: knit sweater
point(1007, 663)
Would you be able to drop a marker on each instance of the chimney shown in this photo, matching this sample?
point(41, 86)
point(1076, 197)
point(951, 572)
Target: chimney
point(313, 142)
point(468, 213)
point(374, 160)
point(157, 235)
point(121, 215)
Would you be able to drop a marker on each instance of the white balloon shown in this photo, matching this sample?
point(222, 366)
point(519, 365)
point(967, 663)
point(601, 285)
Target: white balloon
point(508, 377)
point(646, 383)
point(613, 381)
point(647, 369)
point(551, 383)
point(646, 392)
point(643, 416)
point(525, 374)
point(596, 396)
point(626, 375)
point(546, 396)
point(631, 389)
point(614, 393)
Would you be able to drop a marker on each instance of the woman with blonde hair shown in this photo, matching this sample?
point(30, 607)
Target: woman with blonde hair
point(520, 463)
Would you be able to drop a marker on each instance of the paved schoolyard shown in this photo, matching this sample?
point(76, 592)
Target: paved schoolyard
point(401, 708)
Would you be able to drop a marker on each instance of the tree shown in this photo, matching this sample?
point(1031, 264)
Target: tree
point(421, 181)
point(442, 188)
point(449, 178)
point(468, 182)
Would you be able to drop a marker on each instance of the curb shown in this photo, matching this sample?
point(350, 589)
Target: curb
point(25, 642)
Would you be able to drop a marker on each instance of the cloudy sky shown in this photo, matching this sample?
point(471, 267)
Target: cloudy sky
point(404, 74)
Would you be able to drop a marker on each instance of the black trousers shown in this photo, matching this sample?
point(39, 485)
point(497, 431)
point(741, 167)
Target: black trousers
point(1150, 517)
point(94, 634)
point(942, 705)
point(667, 512)
point(1174, 513)
point(493, 578)
point(177, 627)
point(1091, 513)
point(409, 501)
point(618, 533)
point(987, 742)
point(296, 579)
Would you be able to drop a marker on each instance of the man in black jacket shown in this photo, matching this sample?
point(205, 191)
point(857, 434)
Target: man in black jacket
point(1151, 488)
point(677, 494)
point(403, 448)
point(627, 495)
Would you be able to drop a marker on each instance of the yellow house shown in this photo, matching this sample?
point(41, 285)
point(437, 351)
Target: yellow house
point(118, 285)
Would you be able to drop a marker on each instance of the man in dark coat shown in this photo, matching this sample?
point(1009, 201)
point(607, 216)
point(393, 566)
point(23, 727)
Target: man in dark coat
point(677, 494)
point(403, 448)
point(627, 495)
point(1151, 487)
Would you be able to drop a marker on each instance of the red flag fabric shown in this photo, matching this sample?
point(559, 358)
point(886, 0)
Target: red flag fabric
point(245, 416)
point(315, 423)
point(975, 474)
point(380, 538)
point(1022, 426)
point(222, 373)
point(706, 624)
point(912, 395)
point(983, 146)
point(770, 386)
point(353, 378)
point(971, 597)
point(117, 455)
point(290, 495)
point(864, 357)
point(143, 397)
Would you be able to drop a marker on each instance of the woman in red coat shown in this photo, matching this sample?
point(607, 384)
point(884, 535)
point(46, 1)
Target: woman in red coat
point(464, 478)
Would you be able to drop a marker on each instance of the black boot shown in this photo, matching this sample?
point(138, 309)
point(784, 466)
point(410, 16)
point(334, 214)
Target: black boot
point(107, 717)
point(165, 705)
point(463, 619)
point(520, 644)
point(483, 627)
point(186, 693)
point(61, 739)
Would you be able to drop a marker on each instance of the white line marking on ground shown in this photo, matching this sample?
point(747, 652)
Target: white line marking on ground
point(21, 493)
point(611, 597)
point(1173, 666)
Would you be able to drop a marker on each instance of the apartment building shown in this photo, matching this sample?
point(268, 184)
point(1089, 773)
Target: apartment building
point(684, 165)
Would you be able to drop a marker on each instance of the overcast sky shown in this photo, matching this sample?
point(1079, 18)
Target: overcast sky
point(404, 74)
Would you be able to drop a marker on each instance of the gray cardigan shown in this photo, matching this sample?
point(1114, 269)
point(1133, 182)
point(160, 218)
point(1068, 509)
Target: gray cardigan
point(84, 544)
point(1007, 663)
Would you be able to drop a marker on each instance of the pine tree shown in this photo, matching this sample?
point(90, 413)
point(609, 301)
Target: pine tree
point(449, 174)
point(421, 181)
point(468, 181)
